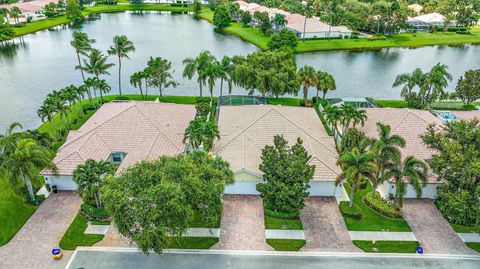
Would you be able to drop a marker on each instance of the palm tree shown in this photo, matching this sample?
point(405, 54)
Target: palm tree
point(359, 116)
point(70, 95)
point(211, 73)
point(226, 69)
point(61, 109)
point(15, 13)
point(334, 116)
point(409, 82)
point(9, 140)
point(89, 178)
point(279, 21)
point(196, 66)
point(387, 149)
point(121, 47)
point(308, 78)
point(201, 132)
point(326, 83)
point(102, 86)
point(435, 82)
point(136, 80)
point(356, 166)
point(47, 111)
point(97, 64)
point(82, 45)
point(26, 160)
point(410, 171)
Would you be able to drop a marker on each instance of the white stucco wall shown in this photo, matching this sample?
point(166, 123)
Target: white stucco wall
point(429, 191)
point(64, 183)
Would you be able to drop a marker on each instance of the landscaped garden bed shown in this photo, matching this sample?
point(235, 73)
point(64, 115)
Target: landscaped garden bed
point(369, 220)
point(387, 246)
point(381, 206)
point(282, 221)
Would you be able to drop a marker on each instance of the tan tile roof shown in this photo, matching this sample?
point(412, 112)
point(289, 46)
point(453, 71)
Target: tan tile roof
point(143, 130)
point(245, 130)
point(408, 123)
point(467, 115)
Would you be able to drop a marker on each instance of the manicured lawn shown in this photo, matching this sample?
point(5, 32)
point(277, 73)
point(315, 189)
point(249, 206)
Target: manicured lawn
point(391, 103)
point(192, 242)
point(474, 246)
point(388, 246)
point(283, 224)
point(371, 221)
point(75, 236)
point(48, 23)
point(197, 222)
point(286, 244)
point(463, 229)
point(284, 101)
point(14, 211)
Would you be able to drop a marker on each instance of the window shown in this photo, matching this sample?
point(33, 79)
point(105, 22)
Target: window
point(117, 157)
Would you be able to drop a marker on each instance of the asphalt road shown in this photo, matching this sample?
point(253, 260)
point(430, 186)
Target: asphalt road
point(118, 259)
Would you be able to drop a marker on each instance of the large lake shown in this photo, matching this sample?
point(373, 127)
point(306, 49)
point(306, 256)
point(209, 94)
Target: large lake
point(45, 61)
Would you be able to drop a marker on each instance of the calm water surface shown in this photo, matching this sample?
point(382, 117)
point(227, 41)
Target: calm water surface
point(44, 61)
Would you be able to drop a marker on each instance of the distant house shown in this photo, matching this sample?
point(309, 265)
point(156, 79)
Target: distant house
point(246, 130)
point(32, 9)
point(314, 28)
point(426, 21)
point(409, 124)
point(297, 23)
point(123, 133)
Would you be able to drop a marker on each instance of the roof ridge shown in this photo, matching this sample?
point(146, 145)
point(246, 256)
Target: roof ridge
point(74, 152)
point(331, 169)
point(153, 143)
point(243, 130)
point(401, 120)
point(93, 129)
point(155, 125)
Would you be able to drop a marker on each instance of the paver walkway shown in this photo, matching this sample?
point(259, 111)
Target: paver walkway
point(324, 227)
point(432, 231)
point(97, 229)
point(32, 245)
point(242, 226)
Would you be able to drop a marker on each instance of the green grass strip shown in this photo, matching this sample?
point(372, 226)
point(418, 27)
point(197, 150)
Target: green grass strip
point(388, 246)
point(283, 224)
point(192, 242)
point(75, 236)
point(286, 244)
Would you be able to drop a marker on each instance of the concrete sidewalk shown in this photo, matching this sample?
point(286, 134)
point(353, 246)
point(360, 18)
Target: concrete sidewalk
point(382, 236)
point(284, 234)
point(470, 237)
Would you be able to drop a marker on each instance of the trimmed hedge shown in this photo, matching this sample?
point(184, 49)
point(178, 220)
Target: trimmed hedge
point(281, 215)
point(92, 213)
point(381, 206)
point(348, 212)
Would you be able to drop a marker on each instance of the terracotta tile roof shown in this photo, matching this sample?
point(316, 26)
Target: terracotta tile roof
point(245, 130)
point(409, 124)
point(467, 115)
point(143, 130)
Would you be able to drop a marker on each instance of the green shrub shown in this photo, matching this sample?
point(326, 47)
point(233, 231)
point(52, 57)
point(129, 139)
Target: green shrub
point(122, 98)
point(456, 29)
point(463, 32)
point(39, 199)
point(381, 206)
point(469, 107)
point(348, 212)
point(92, 213)
point(314, 100)
point(203, 108)
point(376, 37)
point(281, 215)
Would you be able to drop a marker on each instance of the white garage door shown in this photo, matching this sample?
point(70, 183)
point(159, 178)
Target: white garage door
point(322, 188)
point(242, 187)
point(62, 182)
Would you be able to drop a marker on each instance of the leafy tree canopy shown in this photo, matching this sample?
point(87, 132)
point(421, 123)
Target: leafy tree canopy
point(284, 39)
point(468, 87)
point(152, 201)
point(221, 16)
point(286, 175)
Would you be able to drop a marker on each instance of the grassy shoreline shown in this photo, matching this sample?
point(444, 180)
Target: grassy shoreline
point(255, 37)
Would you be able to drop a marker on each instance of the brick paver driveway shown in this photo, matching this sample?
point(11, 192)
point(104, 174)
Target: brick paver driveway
point(432, 231)
point(324, 227)
point(31, 247)
point(242, 226)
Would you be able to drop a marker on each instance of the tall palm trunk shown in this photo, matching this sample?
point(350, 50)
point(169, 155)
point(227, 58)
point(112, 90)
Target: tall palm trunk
point(141, 91)
point(120, 75)
point(201, 90)
point(221, 86)
point(97, 200)
point(80, 65)
point(324, 94)
point(146, 88)
point(50, 119)
point(304, 28)
point(28, 185)
point(305, 95)
point(352, 194)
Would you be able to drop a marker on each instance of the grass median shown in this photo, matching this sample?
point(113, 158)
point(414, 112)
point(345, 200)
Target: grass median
point(387, 246)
